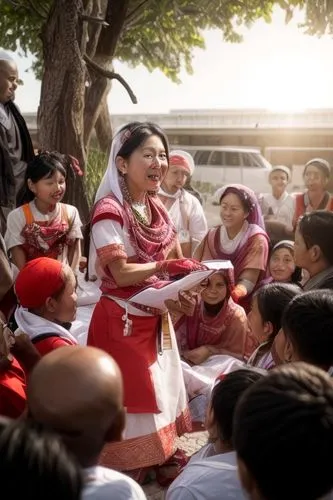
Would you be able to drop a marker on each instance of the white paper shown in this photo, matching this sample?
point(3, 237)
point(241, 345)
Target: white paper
point(218, 264)
point(156, 297)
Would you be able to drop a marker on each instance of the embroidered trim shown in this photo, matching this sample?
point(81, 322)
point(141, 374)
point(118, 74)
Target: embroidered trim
point(111, 253)
point(147, 450)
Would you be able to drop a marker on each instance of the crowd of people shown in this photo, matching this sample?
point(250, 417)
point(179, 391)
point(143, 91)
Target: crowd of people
point(246, 354)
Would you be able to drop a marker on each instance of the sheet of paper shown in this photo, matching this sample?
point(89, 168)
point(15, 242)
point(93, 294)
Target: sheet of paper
point(153, 297)
point(218, 264)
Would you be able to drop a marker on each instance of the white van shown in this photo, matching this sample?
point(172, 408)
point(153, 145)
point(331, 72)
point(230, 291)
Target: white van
point(223, 165)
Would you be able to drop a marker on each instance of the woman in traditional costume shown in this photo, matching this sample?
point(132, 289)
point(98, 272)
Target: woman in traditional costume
point(240, 238)
point(184, 208)
point(46, 292)
point(43, 226)
point(133, 237)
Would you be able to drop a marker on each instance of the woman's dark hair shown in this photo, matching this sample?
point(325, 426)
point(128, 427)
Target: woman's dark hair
point(35, 464)
point(272, 299)
point(283, 433)
point(225, 396)
point(296, 277)
point(136, 133)
point(308, 323)
point(316, 228)
point(244, 198)
point(43, 166)
point(321, 164)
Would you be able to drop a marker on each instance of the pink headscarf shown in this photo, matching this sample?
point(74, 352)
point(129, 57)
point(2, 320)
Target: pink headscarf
point(248, 196)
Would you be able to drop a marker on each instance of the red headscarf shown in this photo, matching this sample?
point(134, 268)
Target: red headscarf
point(38, 280)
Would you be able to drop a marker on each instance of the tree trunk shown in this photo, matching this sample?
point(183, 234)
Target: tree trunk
point(96, 96)
point(60, 115)
point(96, 93)
point(103, 128)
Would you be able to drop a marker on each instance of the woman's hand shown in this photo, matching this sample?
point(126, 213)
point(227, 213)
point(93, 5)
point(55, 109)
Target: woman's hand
point(198, 355)
point(184, 305)
point(179, 267)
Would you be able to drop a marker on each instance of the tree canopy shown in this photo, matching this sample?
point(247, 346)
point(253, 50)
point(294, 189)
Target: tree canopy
point(156, 33)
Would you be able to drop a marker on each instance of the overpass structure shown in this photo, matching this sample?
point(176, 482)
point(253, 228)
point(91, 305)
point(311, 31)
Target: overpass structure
point(283, 138)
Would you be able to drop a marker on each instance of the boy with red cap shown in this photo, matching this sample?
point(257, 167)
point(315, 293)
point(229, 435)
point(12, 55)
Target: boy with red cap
point(46, 292)
point(184, 208)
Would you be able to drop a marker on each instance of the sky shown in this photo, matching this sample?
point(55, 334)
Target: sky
point(276, 67)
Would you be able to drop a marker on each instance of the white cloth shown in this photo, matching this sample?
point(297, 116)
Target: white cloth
point(16, 222)
point(199, 379)
point(110, 181)
point(188, 217)
point(228, 245)
point(106, 484)
point(213, 478)
point(283, 208)
point(6, 56)
point(34, 325)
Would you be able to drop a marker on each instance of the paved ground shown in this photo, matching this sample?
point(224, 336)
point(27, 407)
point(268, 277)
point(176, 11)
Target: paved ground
point(189, 443)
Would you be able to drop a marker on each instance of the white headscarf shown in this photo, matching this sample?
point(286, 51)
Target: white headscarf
point(110, 181)
point(5, 56)
point(177, 154)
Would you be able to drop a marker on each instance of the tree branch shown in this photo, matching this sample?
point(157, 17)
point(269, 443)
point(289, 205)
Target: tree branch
point(135, 15)
point(95, 20)
point(111, 75)
point(42, 12)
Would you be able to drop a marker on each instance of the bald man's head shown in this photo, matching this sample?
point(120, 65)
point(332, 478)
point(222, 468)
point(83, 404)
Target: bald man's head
point(78, 392)
point(8, 80)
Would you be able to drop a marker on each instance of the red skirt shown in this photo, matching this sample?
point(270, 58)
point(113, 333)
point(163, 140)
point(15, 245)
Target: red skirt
point(134, 353)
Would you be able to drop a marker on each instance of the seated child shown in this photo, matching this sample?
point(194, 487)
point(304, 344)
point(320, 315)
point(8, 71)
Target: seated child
point(46, 292)
point(306, 333)
point(43, 226)
point(283, 435)
point(265, 318)
point(211, 334)
point(212, 472)
point(282, 265)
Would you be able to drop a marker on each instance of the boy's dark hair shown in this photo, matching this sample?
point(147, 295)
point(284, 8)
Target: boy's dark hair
point(316, 229)
point(283, 432)
point(308, 323)
point(225, 396)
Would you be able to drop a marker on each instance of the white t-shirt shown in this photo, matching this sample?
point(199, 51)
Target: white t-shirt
point(106, 484)
point(188, 217)
point(283, 208)
point(212, 478)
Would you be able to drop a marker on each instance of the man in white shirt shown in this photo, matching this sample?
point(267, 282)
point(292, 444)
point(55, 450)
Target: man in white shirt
point(78, 392)
point(184, 208)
